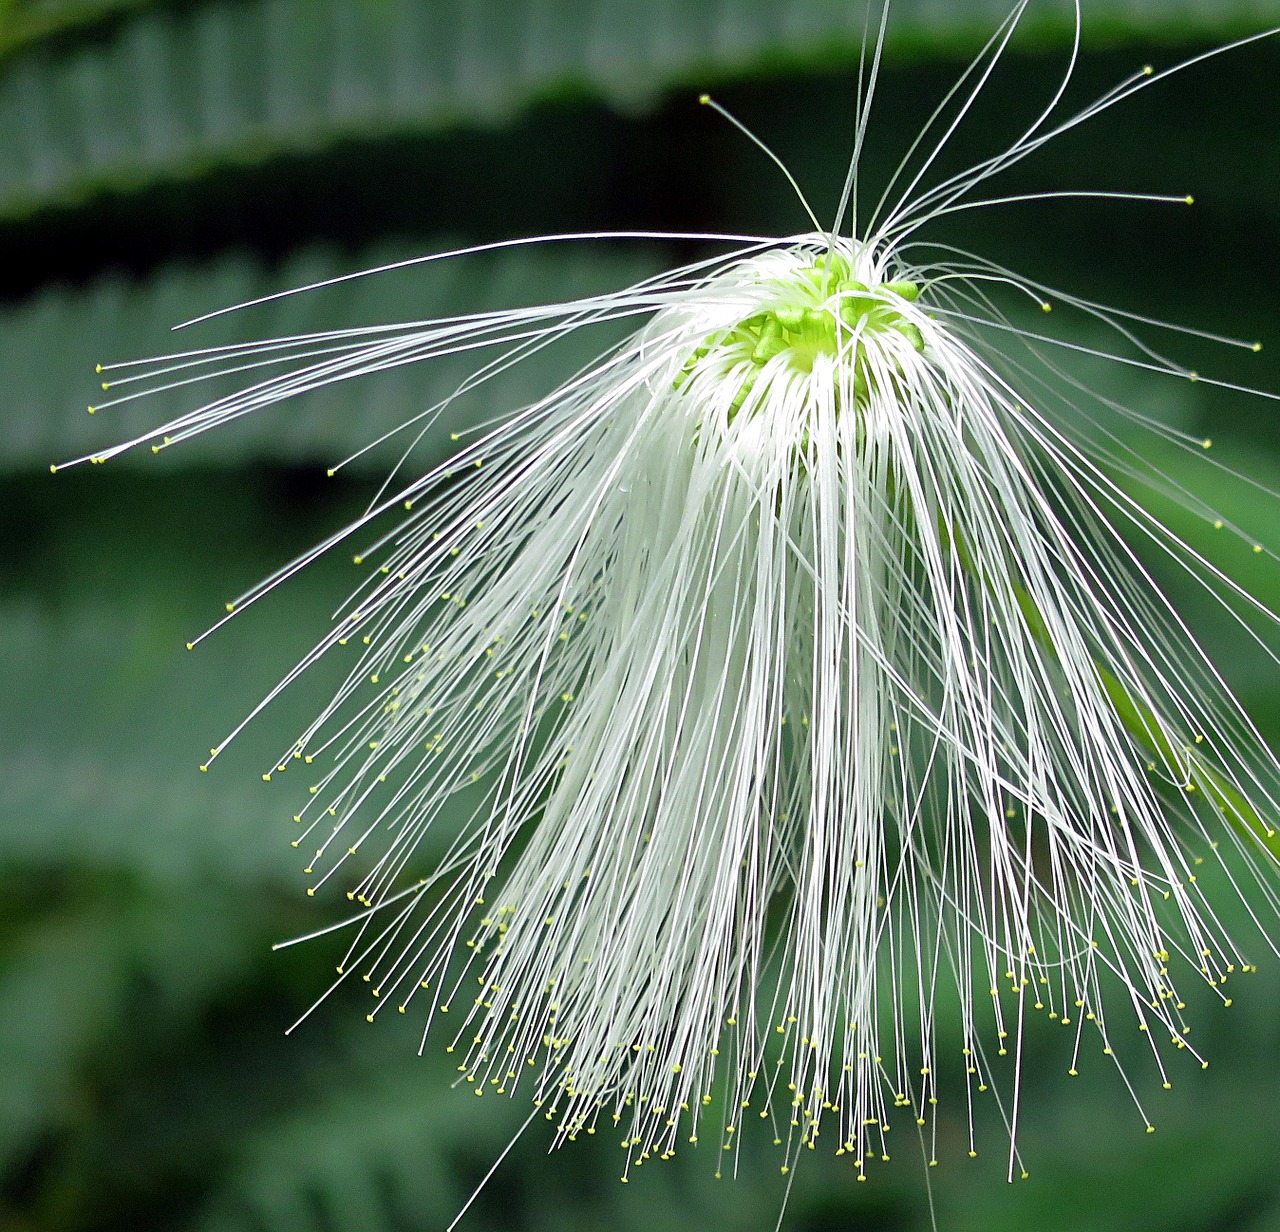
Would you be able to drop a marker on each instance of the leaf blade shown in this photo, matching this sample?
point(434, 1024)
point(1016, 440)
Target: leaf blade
point(170, 94)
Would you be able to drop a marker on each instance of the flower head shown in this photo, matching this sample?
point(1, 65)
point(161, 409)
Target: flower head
point(794, 671)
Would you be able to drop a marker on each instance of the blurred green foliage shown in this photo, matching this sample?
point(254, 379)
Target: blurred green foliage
point(161, 159)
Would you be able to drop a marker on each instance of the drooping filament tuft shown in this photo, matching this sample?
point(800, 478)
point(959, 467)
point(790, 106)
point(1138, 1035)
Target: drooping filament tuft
point(776, 723)
point(785, 674)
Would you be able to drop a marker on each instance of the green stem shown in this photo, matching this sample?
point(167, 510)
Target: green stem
point(1185, 762)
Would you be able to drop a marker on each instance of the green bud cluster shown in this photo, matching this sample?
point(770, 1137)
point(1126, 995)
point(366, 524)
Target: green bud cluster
point(824, 305)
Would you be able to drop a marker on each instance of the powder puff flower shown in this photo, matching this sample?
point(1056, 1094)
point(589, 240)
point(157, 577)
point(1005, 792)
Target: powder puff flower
point(793, 672)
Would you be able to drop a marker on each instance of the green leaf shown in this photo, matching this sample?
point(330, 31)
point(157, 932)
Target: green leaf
point(49, 347)
point(107, 723)
point(375, 1147)
point(170, 94)
point(72, 980)
point(107, 717)
point(25, 21)
point(55, 989)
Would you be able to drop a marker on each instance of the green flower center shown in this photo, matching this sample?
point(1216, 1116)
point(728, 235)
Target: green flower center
point(821, 310)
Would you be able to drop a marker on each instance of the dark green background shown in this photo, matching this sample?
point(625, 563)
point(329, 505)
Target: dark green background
point(161, 159)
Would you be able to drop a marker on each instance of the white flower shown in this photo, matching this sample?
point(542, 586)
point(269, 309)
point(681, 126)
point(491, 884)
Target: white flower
point(796, 676)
